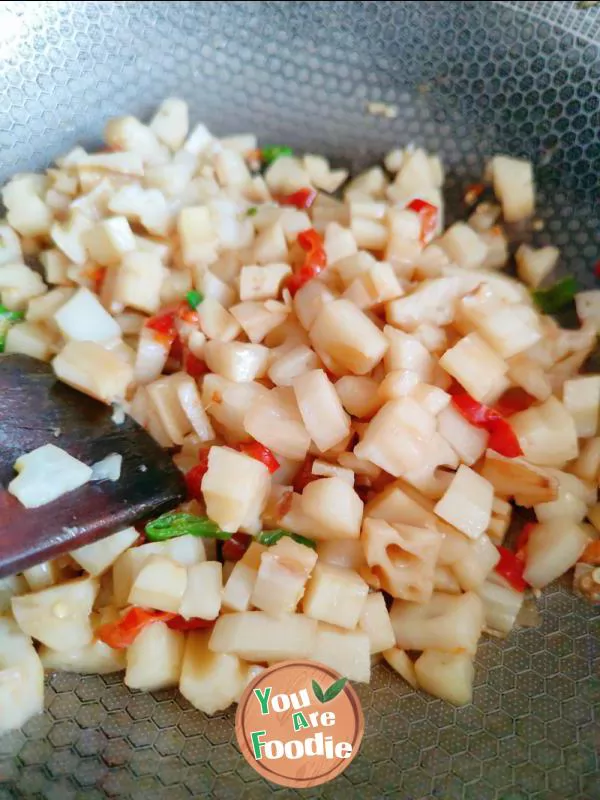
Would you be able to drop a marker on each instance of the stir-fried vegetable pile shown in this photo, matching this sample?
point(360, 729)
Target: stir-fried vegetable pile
point(363, 403)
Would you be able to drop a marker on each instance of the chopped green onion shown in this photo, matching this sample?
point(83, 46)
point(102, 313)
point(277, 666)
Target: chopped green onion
point(556, 297)
point(252, 211)
point(11, 316)
point(271, 154)
point(269, 538)
point(194, 298)
point(173, 524)
point(8, 318)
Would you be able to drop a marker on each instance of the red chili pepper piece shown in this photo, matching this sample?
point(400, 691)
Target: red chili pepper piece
point(316, 259)
point(194, 366)
point(429, 218)
point(187, 314)
point(304, 475)
point(164, 328)
point(523, 538)
point(502, 437)
point(193, 478)
point(163, 323)
point(514, 400)
point(176, 349)
point(179, 623)
point(122, 632)
point(260, 453)
point(302, 199)
point(235, 548)
point(591, 554)
point(511, 568)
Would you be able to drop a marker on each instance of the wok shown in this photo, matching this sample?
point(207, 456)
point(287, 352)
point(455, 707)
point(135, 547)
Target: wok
point(467, 79)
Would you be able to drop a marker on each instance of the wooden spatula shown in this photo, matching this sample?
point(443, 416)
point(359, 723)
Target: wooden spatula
point(36, 409)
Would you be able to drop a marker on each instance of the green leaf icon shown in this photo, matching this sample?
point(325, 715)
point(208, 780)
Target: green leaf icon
point(331, 693)
point(318, 692)
point(335, 688)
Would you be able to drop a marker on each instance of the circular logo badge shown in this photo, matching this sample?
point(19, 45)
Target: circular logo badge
point(299, 724)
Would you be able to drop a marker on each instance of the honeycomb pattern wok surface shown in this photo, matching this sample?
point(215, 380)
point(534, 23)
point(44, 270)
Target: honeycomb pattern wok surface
point(466, 79)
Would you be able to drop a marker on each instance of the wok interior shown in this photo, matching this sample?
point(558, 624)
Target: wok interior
point(467, 80)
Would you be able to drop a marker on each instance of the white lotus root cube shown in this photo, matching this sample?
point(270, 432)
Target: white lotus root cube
point(581, 398)
point(130, 135)
point(403, 557)
point(467, 503)
point(347, 652)
point(93, 370)
point(433, 301)
point(407, 353)
point(262, 283)
point(257, 320)
point(30, 339)
point(338, 243)
point(346, 334)
point(83, 318)
point(398, 436)
point(375, 622)
point(446, 675)
point(553, 548)
point(464, 246)
point(448, 622)
point(469, 560)
point(237, 361)
point(334, 507)
point(209, 681)
point(547, 433)
point(240, 583)
point(26, 211)
point(293, 363)
point(170, 122)
point(202, 596)
point(284, 569)
point(270, 246)
point(18, 284)
point(69, 237)
point(45, 474)
point(21, 677)
point(138, 281)
point(10, 246)
point(109, 240)
point(146, 206)
point(256, 636)
point(97, 557)
point(588, 307)
point(533, 265)
point(335, 595)
point(401, 663)
point(477, 368)
point(358, 395)
point(197, 235)
point(321, 409)
point(235, 488)
point(275, 421)
point(59, 616)
point(160, 584)
point(227, 402)
point(154, 659)
point(216, 322)
point(513, 186)
point(509, 329)
point(55, 266)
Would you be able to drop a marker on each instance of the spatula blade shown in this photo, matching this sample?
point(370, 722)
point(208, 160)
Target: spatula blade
point(36, 409)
